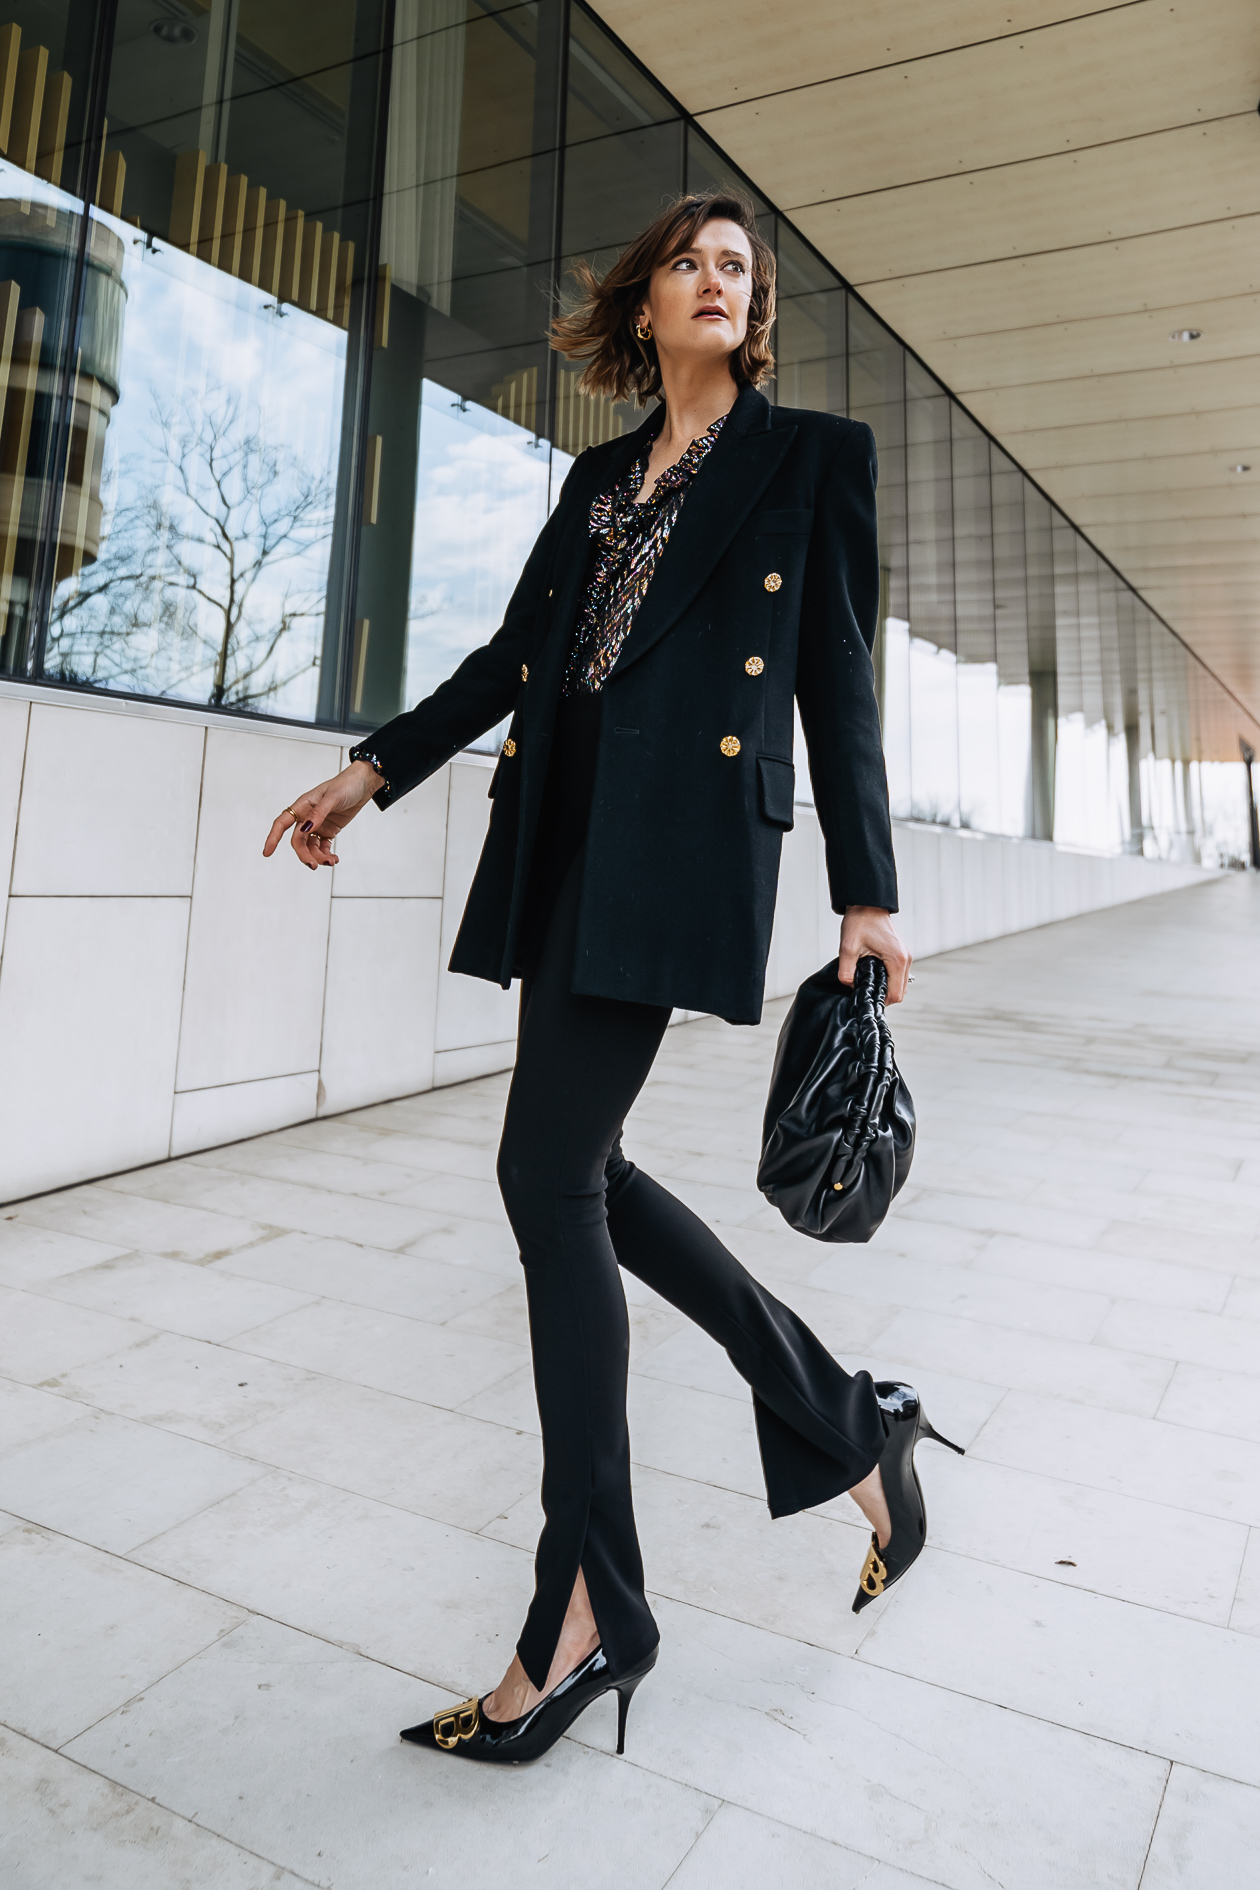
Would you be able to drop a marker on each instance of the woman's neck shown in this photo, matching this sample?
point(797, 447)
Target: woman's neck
point(694, 398)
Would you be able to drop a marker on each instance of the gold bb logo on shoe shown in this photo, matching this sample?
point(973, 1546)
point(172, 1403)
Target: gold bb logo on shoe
point(875, 1573)
point(460, 1723)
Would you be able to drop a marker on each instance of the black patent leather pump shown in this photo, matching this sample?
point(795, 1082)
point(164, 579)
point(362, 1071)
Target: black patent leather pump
point(904, 1425)
point(469, 1732)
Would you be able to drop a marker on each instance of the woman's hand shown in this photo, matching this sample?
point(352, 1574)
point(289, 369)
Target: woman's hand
point(318, 817)
point(868, 932)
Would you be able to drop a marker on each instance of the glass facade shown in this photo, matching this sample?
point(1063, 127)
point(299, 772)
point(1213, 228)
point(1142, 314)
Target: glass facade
point(280, 424)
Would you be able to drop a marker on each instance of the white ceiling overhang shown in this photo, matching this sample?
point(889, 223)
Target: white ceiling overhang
point(1036, 196)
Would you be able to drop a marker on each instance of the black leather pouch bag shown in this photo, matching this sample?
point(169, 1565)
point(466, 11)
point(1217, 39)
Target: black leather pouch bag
point(839, 1129)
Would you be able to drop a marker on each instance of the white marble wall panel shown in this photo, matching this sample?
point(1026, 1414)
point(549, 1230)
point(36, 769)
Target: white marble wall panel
point(254, 995)
point(275, 998)
point(73, 838)
point(207, 1118)
point(379, 1000)
point(89, 1021)
point(470, 1011)
point(794, 952)
point(13, 722)
point(398, 854)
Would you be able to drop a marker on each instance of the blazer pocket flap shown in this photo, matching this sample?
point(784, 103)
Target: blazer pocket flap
point(783, 521)
point(778, 791)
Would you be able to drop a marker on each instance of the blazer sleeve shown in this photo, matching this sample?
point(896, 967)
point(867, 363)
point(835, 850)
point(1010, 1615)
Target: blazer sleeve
point(835, 683)
point(480, 692)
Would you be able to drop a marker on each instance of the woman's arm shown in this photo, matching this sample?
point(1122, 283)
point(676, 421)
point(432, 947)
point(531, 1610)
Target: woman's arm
point(480, 693)
point(415, 744)
point(839, 714)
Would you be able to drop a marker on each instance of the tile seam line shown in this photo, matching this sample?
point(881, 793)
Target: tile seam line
point(182, 1816)
point(954, 1693)
point(695, 1607)
point(1159, 1812)
point(917, 59)
point(1012, 164)
point(267, 1468)
point(1079, 321)
point(1122, 374)
point(1060, 249)
point(128, 1558)
point(718, 1804)
point(1061, 1725)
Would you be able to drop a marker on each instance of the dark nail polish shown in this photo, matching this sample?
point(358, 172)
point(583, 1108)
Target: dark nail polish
point(307, 825)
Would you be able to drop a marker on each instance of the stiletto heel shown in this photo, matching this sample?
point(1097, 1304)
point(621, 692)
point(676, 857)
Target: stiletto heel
point(926, 1430)
point(625, 1693)
point(468, 1731)
point(904, 1425)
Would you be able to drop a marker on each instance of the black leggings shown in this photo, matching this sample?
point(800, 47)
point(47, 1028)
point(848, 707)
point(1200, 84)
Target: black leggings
point(580, 1210)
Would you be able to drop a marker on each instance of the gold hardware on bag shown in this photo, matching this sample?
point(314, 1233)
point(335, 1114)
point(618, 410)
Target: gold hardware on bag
point(838, 1186)
point(875, 1572)
point(729, 744)
point(460, 1723)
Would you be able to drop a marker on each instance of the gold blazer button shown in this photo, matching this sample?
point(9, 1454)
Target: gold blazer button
point(729, 744)
point(773, 581)
point(509, 748)
point(754, 666)
point(524, 672)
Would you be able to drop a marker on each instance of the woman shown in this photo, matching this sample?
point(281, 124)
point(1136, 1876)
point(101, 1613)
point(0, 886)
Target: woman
point(694, 578)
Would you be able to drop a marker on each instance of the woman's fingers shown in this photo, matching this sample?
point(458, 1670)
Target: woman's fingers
point(312, 847)
point(279, 827)
point(898, 975)
point(868, 931)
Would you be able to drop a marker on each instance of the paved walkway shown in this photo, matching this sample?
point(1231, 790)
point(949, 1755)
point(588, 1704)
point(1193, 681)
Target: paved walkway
point(269, 1468)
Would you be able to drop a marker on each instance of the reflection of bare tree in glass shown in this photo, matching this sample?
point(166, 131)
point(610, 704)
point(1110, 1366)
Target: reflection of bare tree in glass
point(206, 571)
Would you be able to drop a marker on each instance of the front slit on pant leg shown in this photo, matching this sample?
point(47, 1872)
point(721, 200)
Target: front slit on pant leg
point(580, 1064)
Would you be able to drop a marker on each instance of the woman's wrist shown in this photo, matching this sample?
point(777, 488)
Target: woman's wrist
point(373, 772)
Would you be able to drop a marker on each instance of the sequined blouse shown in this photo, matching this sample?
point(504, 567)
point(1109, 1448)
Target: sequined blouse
point(627, 539)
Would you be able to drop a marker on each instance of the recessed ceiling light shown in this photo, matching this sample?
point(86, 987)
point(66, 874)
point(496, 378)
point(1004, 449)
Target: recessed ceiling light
point(1186, 334)
point(174, 32)
point(1240, 469)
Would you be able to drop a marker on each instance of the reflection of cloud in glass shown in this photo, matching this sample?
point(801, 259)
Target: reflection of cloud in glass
point(482, 493)
point(198, 343)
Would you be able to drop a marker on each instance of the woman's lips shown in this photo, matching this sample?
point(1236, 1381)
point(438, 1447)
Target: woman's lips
point(709, 315)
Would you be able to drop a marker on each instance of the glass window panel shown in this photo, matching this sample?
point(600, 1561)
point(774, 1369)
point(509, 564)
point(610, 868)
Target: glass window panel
point(1043, 676)
point(237, 171)
point(877, 396)
point(608, 92)
point(809, 340)
point(43, 71)
point(930, 506)
point(623, 163)
point(464, 387)
point(930, 535)
point(711, 169)
point(1010, 604)
point(979, 775)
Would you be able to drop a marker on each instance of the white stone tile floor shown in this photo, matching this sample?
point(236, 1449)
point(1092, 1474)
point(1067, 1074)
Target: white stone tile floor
point(269, 1461)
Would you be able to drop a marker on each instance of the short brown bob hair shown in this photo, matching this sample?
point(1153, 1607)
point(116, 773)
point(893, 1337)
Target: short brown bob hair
point(600, 329)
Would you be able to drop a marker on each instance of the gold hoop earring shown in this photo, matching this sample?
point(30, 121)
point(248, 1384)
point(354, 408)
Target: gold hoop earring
point(644, 334)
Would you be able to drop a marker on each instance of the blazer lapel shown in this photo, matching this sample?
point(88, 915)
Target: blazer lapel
point(735, 473)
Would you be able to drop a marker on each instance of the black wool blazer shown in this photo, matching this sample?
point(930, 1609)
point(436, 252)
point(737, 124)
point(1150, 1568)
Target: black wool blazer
point(767, 589)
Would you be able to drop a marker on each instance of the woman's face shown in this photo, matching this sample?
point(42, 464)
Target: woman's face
point(697, 302)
